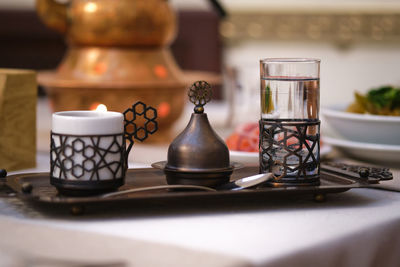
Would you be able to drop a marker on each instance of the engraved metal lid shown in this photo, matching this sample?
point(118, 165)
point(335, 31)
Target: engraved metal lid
point(198, 155)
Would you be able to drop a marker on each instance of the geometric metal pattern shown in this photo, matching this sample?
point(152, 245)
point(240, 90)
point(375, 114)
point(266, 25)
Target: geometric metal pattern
point(379, 173)
point(87, 157)
point(132, 130)
point(290, 150)
point(200, 93)
point(85, 164)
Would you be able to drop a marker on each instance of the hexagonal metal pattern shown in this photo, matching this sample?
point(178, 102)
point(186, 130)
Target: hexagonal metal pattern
point(68, 164)
point(89, 152)
point(77, 171)
point(78, 145)
point(83, 156)
point(130, 128)
point(68, 151)
point(139, 108)
point(290, 147)
point(88, 164)
point(151, 127)
point(134, 131)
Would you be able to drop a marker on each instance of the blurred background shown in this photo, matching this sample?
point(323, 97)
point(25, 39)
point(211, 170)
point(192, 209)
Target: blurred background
point(357, 41)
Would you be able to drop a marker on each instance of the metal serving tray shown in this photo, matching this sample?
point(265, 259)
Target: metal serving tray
point(36, 188)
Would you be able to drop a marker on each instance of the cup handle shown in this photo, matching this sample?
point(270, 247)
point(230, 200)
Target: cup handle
point(134, 131)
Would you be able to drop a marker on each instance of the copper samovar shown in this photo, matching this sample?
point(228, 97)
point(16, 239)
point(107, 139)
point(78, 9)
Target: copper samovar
point(118, 53)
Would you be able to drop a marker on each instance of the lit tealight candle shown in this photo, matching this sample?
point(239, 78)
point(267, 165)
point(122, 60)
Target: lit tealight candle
point(87, 146)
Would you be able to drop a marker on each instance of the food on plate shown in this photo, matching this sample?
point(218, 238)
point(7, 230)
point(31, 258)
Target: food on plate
point(384, 100)
point(244, 138)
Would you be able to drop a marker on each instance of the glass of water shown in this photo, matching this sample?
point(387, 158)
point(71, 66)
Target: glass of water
point(289, 124)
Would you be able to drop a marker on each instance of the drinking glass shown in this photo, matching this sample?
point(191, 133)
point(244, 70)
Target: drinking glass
point(289, 124)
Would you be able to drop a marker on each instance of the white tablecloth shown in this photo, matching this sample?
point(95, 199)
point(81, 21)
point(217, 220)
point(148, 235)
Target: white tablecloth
point(360, 227)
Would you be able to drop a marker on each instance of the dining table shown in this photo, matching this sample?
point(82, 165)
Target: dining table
point(358, 227)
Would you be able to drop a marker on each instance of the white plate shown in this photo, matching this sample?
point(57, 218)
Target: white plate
point(388, 154)
point(252, 157)
point(364, 128)
point(244, 157)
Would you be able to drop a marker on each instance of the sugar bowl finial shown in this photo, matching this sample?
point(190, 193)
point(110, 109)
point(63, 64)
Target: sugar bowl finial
point(200, 93)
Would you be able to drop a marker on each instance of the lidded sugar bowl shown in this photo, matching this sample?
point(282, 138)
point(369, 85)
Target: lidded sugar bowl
point(198, 156)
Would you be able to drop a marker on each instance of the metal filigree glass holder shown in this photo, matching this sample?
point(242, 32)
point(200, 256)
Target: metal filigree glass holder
point(92, 164)
point(289, 125)
point(290, 150)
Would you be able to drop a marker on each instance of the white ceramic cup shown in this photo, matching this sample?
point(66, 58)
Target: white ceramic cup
point(87, 150)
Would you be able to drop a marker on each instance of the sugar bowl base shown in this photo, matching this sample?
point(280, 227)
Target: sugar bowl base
point(210, 177)
point(201, 179)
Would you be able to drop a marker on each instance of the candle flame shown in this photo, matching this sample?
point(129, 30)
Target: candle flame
point(101, 108)
point(98, 107)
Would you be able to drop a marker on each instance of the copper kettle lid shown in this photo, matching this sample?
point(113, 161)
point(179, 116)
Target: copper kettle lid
point(198, 148)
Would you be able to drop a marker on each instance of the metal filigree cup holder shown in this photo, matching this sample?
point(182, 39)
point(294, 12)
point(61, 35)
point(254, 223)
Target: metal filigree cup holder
point(94, 164)
point(290, 150)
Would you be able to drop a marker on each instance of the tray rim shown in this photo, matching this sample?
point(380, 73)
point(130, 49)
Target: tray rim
point(12, 182)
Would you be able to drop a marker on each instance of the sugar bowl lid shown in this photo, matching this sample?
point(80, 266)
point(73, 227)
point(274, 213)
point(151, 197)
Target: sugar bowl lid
point(198, 155)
